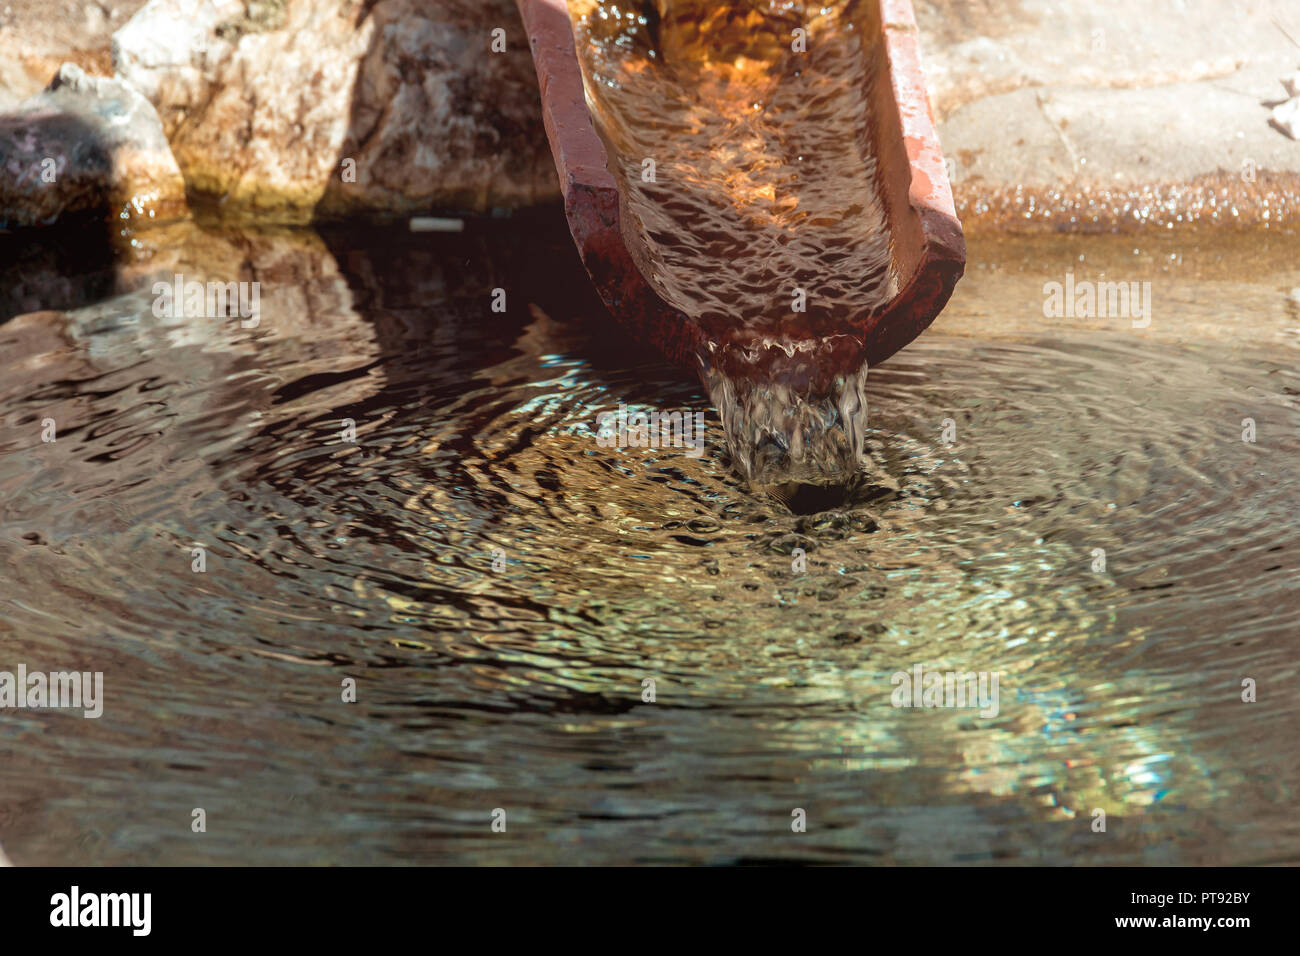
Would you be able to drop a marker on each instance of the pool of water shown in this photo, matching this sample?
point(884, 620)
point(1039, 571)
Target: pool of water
point(1066, 502)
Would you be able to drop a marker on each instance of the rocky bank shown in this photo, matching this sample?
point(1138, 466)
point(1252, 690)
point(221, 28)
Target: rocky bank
point(1053, 114)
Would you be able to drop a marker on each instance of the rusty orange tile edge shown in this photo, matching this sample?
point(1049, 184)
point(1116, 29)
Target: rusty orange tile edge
point(941, 258)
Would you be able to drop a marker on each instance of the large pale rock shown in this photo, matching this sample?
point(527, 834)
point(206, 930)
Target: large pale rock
point(39, 36)
point(87, 146)
point(294, 109)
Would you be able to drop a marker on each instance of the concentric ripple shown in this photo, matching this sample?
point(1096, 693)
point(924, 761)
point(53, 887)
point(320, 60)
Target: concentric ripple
point(501, 586)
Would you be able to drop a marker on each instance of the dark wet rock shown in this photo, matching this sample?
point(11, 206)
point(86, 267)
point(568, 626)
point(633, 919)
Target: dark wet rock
point(87, 146)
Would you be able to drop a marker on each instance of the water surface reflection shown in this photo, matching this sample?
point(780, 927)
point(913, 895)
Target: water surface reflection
point(522, 688)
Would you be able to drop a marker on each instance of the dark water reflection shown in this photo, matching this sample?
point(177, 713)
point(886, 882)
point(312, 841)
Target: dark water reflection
point(521, 688)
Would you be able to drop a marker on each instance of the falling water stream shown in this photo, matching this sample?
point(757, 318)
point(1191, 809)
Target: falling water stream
point(500, 586)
